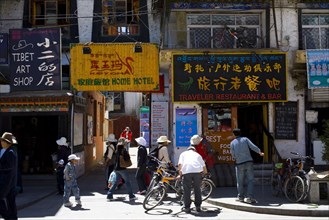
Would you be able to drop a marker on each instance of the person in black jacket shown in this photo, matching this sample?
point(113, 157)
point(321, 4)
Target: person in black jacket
point(141, 165)
point(120, 172)
point(8, 177)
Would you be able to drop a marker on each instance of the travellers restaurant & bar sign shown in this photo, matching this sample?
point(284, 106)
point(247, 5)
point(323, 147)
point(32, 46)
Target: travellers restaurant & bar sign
point(35, 59)
point(115, 67)
point(229, 77)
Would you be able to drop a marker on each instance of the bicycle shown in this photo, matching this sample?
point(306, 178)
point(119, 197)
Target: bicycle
point(297, 187)
point(160, 171)
point(236, 38)
point(170, 181)
point(280, 173)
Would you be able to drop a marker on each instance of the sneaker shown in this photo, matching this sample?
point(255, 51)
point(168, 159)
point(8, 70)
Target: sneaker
point(133, 198)
point(239, 199)
point(109, 198)
point(68, 204)
point(141, 192)
point(250, 200)
point(78, 202)
point(198, 209)
point(186, 210)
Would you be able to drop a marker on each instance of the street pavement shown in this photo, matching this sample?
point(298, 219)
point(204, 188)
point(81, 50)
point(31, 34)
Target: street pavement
point(39, 188)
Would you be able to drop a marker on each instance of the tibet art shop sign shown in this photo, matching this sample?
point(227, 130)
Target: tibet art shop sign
point(229, 77)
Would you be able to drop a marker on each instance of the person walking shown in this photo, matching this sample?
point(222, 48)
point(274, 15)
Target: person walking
point(63, 150)
point(109, 156)
point(8, 177)
point(141, 165)
point(120, 172)
point(190, 168)
point(60, 176)
point(244, 165)
point(70, 181)
point(128, 135)
point(163, 154)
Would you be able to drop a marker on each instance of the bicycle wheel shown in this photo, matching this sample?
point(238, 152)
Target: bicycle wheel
point(306, 180)
point(154, 182)
point(179, 188)
point(206, 190)
point(276, 184)
point(154, 197)
point(294, 188)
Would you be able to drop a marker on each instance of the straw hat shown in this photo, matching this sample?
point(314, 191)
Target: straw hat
point(9, 138)
point(141, 141)
point(195, 139)
point(163, 139)
point(62, 142)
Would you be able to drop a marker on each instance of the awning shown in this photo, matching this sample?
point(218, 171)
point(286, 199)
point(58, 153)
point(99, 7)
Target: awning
point(35, 101)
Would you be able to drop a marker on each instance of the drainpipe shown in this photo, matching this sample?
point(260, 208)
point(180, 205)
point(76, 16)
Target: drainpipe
point(275, 27)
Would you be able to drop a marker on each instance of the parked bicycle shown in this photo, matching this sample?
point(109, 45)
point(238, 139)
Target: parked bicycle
point(280, 173)
point(241, 37)
point(297, 187)
point(164, 180)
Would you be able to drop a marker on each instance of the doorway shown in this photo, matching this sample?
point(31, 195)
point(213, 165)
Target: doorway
point(36, 136)
point(250, 121)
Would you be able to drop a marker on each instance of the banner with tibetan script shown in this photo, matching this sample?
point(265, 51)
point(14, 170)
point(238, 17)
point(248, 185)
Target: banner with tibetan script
point(229, 77)
point(115, 67)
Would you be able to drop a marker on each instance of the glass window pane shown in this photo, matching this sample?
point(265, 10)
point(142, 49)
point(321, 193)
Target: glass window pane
point(311, 38)
point(198, 19)
point(222, 39)
point(324, 19)
point(324, 38)
point(200, 38)
point(310, 19)
point(247, 20)
point(223, 20)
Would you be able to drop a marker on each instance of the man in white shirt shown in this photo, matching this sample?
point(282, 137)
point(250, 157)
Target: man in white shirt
point(190, 167)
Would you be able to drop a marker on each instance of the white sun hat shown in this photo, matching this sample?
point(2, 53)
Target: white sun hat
point(141, 141)
point(73, 157)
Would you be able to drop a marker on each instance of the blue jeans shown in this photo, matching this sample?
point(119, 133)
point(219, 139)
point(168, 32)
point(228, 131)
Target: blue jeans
point(245, 171)
point(68, 187)
point(124, 175)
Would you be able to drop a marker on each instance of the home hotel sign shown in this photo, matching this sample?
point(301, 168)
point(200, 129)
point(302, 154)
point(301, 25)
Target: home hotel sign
point(115, 67)
point(230, 77)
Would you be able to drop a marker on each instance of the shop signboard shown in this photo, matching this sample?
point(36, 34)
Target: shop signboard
point(35, 59)
point(229, 77)
point(144, 124)
point(317, 68)
point(115, 67)
point(186, 126)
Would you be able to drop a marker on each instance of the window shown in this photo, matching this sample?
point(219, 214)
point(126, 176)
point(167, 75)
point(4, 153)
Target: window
point(120, 17)
point(219, 119)
point(315, 31)
point(51, 13)
point(224, 31)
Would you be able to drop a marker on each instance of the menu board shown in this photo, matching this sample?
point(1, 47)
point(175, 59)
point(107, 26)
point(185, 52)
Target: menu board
point(286, 120)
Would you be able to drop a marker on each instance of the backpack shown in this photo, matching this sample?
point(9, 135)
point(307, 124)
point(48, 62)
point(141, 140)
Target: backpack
point(151, 164)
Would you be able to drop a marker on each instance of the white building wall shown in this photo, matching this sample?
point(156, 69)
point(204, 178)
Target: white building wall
point(11, 15)
point(85, 9)
point(287, 27)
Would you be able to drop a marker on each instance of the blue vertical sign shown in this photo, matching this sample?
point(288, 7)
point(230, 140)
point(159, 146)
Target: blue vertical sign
point(145, 124)
point(186, 126)
point(317, 68)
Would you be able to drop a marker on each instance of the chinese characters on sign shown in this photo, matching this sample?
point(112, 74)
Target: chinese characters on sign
point(317, 68)
point(35, 59)
point(230, 77)
point(186, 126)
point(115, 67)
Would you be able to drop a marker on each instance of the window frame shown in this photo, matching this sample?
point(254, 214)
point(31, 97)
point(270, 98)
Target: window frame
point(259, 28)
point(318, 26)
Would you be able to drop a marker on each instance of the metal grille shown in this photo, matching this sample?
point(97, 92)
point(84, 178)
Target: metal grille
point(224, 31)
point(315, 30)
